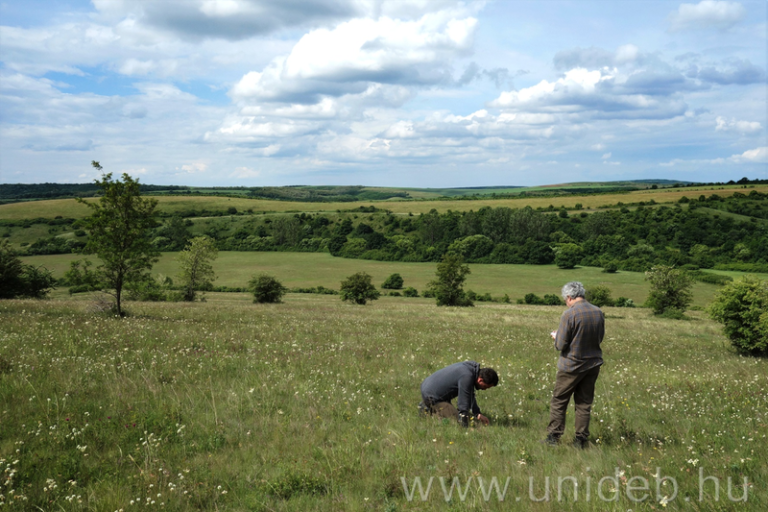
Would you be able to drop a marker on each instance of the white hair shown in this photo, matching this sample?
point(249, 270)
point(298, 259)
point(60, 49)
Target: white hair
point(573, 290)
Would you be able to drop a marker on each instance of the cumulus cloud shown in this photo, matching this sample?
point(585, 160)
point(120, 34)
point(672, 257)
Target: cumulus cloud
point(245, 173)
point(346, 59)
point(725, 125)
point(707, 14)
point(755, 156)
point(603, 94)
point(595, 58)
point(243, 19)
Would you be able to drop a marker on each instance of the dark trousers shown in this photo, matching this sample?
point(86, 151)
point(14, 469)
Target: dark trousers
point(582, 387)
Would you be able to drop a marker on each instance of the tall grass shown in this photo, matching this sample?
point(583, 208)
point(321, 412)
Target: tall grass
point(311, 405)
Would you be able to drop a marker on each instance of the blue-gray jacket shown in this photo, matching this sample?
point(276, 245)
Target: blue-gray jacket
point(456, 380)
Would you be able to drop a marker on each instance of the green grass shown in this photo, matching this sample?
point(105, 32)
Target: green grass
point(234, 269)
point(71, 209)
point(311, 405)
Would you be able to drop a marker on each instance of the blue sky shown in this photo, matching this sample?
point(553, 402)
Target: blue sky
point(426, 93)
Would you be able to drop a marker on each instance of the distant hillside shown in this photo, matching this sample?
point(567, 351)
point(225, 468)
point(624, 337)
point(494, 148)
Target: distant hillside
point(12, 193)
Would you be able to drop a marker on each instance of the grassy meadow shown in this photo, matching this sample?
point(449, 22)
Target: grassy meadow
point(311, 405)
point(235, 269)
point(72, 209)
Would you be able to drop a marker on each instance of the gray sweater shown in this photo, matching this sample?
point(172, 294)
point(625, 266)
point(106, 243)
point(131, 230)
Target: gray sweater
point(456, 380)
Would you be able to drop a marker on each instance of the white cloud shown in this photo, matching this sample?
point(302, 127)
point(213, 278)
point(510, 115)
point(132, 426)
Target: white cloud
point(757, 155)
point(722, 124)
point(603, 94)
point(358, 52)
point(707, 14)
point(245, 173)
point(194, 167)
point(606, 156)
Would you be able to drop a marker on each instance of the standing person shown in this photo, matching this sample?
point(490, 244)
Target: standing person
point(578, 338)
point(457, 380)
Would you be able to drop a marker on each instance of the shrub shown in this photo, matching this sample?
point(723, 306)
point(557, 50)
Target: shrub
point(742, 308)
point(448, 288)
point(532, 298)
point(670, 289)
point(20, 280)
point(410, 292)
point(357, 288)
point(568, 255)
point(146, 290)
point(610, 267)
point(599, 295)
point(393, 282)
point(550, 299)
point(624, 302)
point(266, 289)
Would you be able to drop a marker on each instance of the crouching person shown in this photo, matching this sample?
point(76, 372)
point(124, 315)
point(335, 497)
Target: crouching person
point(457, 380)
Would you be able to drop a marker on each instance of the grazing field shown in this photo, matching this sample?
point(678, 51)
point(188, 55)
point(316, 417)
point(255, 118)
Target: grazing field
point(70, 208)
point(235, 269)
point(311, 405)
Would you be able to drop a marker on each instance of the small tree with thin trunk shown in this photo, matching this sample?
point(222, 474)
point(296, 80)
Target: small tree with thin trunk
point(119, 228)
point(670, 290)
point(196, 268)
point(358, 288)
point(448, 288)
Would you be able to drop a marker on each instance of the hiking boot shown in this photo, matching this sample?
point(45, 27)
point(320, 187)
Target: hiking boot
point(551, 440)
point(580, 443)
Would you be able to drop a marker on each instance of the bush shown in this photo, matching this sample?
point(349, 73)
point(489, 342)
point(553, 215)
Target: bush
point(532, 298)
point(742, 308)
point(20, 280)
point(599, 295)
point(670, 289)
point(266, 289)
point(568, 255)
point(624, 302)
point(357, 288)
point(448, 288)
point(410, 292)
point(550, 299)
point(610, 267)
point(393, 282)
point(147, 290)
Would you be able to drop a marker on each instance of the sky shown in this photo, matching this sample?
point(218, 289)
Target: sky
point(420, 93)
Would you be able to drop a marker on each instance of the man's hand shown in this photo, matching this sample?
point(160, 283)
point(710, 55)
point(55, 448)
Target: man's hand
point(553, 334)
point(482, 419)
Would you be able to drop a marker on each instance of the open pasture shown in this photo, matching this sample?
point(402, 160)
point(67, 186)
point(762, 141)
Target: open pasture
point(311, 405)
point(235, 269)
point(70, 208)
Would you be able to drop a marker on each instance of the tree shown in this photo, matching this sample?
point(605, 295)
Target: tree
point(568, 255)
point(670, 290)
point(267, 289)
point(448, 288)
point(742, 308)
point(20, 280)
point(357, 288)
point(119, 228)
point(196, 269)
point(393, 282)
point(599, 295)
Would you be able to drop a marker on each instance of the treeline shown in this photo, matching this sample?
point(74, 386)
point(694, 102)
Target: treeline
point(24, 192)
point(14, 192)
point(699, 232)
point(688, 233)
